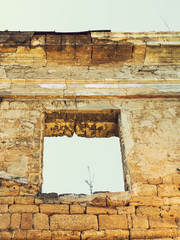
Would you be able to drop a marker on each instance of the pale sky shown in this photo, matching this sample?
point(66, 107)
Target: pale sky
point(85, 15)
point(66, 161)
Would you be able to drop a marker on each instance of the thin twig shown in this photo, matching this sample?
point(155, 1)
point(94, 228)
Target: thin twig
point(90, 181)
point(165, 23)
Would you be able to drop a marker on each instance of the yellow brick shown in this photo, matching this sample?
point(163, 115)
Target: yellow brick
point(9, 191)
point(166, 201)
point(168, 191)
point(168, 179)
point(113, 234)
point(5, 235)
point(126, 210)
point(99, 201)
point(66, 235)
point(155, 239)
point(23, 209)
point(38, 235)
point(100, 210)
point(176, 179)
point(19, 235)
point(4, 221)
point(24, 200)
point(6, 200)
point(107, 234)
point(158, 222)
point(118, 199)
point(167, 211)
point(140, 222)
point(3, 208)
point(146, 201)
point(15, 220)
point(91, 235)
point(28, 191)
point(73, 222)
point(54, 208)
point(174, 201)
point(138, 233)
point(112, 222)
point(146, 190)
point(41, 221)
point(26, 222)
point(147, 211)
point(154, 181)
point(77, 209)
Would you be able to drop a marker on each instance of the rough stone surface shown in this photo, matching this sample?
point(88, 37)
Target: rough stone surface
point(4, 221)
point(23, 209)
point(77, 209)
point(159, 233)
point(126, 210)
point(107, 234)
point(66, 235)
point(26, 222)
point(5, 235)
point(112, 222)
point(140, 222)
point(37, 235)
point(24, 200)
point(148, 211)
point(41, 221)
point(73, 222)
point(98, 210)
point(56, 208)
point(15, 220)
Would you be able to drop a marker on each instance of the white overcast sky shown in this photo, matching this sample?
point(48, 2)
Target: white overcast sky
point(84, 15)
point(66, 162)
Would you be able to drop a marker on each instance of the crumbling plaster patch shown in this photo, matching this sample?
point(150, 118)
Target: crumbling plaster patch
point(8, 176)
point(99, 73)
point(19, 168)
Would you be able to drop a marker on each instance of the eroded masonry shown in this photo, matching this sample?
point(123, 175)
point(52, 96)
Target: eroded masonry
point(94, 84)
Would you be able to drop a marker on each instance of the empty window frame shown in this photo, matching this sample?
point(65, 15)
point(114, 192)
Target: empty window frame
point(74, 144)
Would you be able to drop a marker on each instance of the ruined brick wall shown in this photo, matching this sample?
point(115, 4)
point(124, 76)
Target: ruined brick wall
point(135, 76)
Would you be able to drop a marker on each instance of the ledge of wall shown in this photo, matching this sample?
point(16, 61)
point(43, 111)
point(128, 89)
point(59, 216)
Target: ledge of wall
point(89, 64)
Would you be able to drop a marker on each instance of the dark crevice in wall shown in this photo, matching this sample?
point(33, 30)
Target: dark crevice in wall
point(98, 222)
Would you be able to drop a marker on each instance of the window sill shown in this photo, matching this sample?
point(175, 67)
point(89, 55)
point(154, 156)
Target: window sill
point(105, 199)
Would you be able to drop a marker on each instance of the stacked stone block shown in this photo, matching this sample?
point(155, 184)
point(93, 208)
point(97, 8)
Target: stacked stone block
point(51, 218)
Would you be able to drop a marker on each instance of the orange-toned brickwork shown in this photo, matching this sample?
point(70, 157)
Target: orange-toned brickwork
point(93, 84)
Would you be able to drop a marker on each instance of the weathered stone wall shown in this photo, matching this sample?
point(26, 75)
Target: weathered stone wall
point(148, 125)
point(150, 210)
point(89, 64)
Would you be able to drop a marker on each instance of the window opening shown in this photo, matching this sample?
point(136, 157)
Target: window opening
point(78, 144)
point(66, 163)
